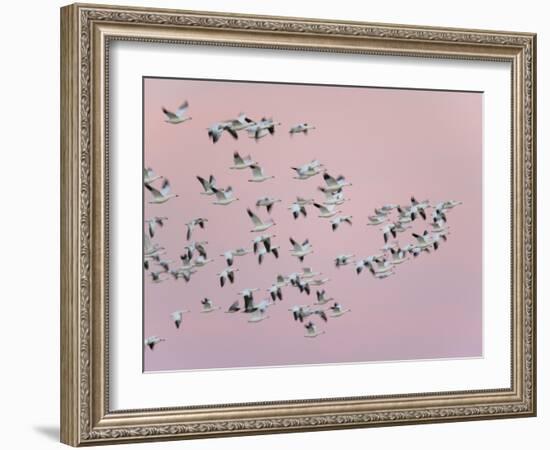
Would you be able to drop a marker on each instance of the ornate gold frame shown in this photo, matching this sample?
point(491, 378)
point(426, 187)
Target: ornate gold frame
point(86, 31)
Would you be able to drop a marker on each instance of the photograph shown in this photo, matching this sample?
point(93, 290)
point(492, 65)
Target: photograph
point(291, 224)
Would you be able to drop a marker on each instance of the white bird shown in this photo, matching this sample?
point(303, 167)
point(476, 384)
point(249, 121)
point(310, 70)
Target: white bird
point(301, 128)
point(300, 250)
point(300, 312)
point(260, 311)
point(258, 175)
point(388, 207)
point(335, 184)
point(307, 170)
point(183, 272)
point(318, 281)
point(162, 195)
point(302, 285)
point(234, 307)
point(165, 264)
point(268, 202)
point(308, 273)
point(297, 209)
point(401, 227)
point(446, 205)
point(227, 274)
point(179, 116)
point(376, 220)
point(366, 262)
point(207, 185)
point(240, 163)
point(326, 211)
point(149, 176)
point(336, 310)
point(242, 122)
point(304, 201)
point(262, 128)
point(405, 215)
point(332, 198)
point(152, 341)
point(216, 130)
point(322, 297)
point(248, 297)
point(177, 317)
point(263, 239)
point(201, 261)
point(199, 221)
point(151, 250)
point(230, 254)
point(263, 251)
point(343, 260)
point(208, 306)
point(340, 219)
point(153, 222)
point(224, 196)
point(156, 277)
point(192, 247)
point(423, 241)
point(389, 230)
point(281, 281)
point(259, 225)
point(275, 292)
point(381, 268)
point(312, 330)
point(398, 255)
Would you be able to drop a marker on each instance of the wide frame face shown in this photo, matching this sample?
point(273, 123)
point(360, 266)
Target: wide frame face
point(87, 34)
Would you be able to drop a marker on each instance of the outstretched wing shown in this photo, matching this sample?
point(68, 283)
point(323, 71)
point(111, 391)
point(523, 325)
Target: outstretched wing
point(255, 220)
point(180, 112)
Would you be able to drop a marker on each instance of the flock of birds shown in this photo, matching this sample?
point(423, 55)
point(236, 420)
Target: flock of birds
point(392, 219)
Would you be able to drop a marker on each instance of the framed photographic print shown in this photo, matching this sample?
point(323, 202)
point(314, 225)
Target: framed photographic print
point(276, 224)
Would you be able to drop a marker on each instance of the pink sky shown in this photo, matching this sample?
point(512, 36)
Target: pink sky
point(391, 144)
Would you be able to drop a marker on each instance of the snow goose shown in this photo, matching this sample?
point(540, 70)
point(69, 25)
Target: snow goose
point(268, 202)
point(307, 273)
point(207, 185)
point(387, 208)
point(318, 281)
point(227, 274)
point(156, 277)
point(304, 201)
point(248, 297)
point(260, 312)
point(262, 128)
point(438, 215)
point(153, 222)
point(242, 122)
point(198, 246)
point(340, 219)
point(335, 184)
point(401, 227)
point(398, 255)
point(307, 170)
point(165, 264)
point(332, 198)
point(259, 225)
point(263, 251)
point(184, 273)
point(234, 307)
point(208, 306)
point(322, 297)
point(446, 205)
point(264, 239)
point(326, 211)
point(376, 220)
point(199, 221)
point(336, 310)
point(342, 260)
point(201, 261)
point(162, 195)
point(312, 330)
point(240, 163)
point(389, 230)
point(300, 251)
point(301, 128)
point(366, 262)
point(423, 241)
point(297, 209)
point(303, 286)
point(275, 292)
point(149, 176)
point(177, 317)
point(258, 175)
point(179, 116)
point(281, 281)
point(230, 254)
point(152, 341)
point(216, 130)
point(405, 215)
point(224, 196)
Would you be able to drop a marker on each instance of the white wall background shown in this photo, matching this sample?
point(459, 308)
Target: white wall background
point(29, 292)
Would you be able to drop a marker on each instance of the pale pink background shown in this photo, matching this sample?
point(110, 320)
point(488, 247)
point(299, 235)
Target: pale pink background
point(391, 143)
